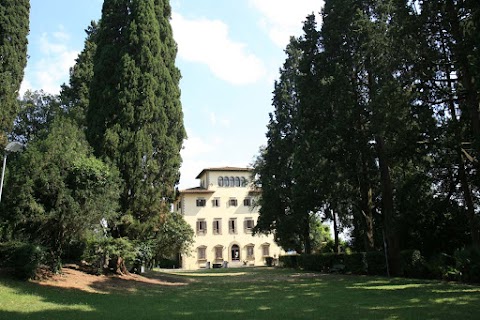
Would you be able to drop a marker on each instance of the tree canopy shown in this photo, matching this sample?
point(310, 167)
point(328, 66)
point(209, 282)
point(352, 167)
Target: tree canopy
point(374, 120)
point(14, 28)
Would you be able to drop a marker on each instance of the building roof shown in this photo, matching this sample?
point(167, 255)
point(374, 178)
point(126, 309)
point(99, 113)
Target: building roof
point(197, 190)
point(223, 169)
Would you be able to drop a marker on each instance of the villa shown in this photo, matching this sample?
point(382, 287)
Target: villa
point(222, 213)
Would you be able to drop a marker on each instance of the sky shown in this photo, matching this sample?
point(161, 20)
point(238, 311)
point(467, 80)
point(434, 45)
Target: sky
point(229, 54)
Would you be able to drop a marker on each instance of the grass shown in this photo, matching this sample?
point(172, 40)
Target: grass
point(250, 293)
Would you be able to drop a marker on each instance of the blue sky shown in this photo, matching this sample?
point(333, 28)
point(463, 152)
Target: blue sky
point(230, 52)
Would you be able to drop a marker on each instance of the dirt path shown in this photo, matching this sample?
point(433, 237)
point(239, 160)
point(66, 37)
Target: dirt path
point(75, 279)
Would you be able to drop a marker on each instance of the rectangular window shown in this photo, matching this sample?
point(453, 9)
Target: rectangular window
point(201, 202)
point(232, 226)
point(232, 202)
point(201, 227)
point(248, 225)
point(202, 253)
point(216, 202)
point(218, 252)
point(217, 226)
point(250, 252)
point(247, 202)
point(266, 250)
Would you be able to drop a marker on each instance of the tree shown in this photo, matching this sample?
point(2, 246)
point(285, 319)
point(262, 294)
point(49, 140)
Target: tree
point(452, 43)
point(37, 112)
point(134, 118)
point(75, 95)
point(273, 167)
point(59, 190)
point(14, 28)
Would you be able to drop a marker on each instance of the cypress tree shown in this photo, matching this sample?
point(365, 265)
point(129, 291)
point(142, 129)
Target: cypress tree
point(75, 95)
point(134, 116)
point(14, 27)
point(273, 166)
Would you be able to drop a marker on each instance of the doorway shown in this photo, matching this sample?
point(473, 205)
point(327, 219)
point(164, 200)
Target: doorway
point(235, 253)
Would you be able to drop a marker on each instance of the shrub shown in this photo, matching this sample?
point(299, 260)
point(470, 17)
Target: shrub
point(376, 263)
point(289, 261)
point(413, 264)
point(165, 263)
point(269, 261)
point(74, 250)
point(441, 266)
point(468, 263)
point(104, 254)
point(326, 262)
point(23, 258)
point(356, 263)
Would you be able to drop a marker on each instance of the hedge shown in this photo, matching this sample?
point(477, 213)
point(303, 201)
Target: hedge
point(357, 263)
point(23, 258)
point(464, 265)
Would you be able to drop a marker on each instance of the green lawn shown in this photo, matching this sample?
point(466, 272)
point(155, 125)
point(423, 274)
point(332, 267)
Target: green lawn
point(250, 293)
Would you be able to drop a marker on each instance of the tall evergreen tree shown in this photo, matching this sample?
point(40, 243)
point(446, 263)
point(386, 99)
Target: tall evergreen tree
point(76, 95)
point(273, 166)
point(450, 27)
point(14, 28)
point(134, 116)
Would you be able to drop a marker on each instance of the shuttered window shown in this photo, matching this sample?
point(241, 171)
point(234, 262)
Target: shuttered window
point(217, 226)
point(201, 227)
point(232, 226)
point(216, 202)
point(248, 225)
point(202, 253)
point(266, 250)
point(250, 252)
point(218, 252)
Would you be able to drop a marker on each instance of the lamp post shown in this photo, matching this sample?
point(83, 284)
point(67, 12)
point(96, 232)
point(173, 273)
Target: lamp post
point(11, 147)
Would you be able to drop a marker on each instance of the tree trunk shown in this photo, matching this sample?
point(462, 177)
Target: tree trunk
point(306, 236)
point(462, 174)
point(366, 207)
point(388, 209)
point(464, 72)
point(117, 265)
point(469, 206)
point(335, 232)
point(366, 201)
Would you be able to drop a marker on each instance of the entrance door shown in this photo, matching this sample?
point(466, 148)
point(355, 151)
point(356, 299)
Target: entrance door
point(235, 253)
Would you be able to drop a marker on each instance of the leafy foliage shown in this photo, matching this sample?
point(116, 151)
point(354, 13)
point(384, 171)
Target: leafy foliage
point(134, 115)
point(23, 258)
point(59, 190)
point(374, 124)
point(14, 28)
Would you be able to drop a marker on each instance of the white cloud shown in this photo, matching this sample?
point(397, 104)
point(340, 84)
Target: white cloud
point(24, 87)
point(53, 68)
point(216, 120)
point(196, 155)
point(195, 146)
point(207, 41)
point(283, 18)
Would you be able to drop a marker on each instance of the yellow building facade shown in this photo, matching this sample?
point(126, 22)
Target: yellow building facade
point(222, 213)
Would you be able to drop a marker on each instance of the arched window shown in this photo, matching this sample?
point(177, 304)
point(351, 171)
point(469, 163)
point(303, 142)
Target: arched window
point(237, 182)
point(232, 182)
point(225, 181)
point(244, 182)
point(235, 253)
point(220, 181)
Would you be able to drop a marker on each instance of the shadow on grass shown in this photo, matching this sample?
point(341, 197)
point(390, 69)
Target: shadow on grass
point(257, 294)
